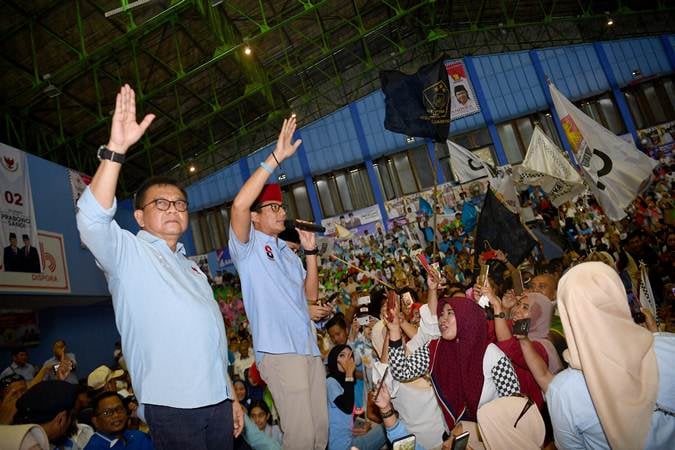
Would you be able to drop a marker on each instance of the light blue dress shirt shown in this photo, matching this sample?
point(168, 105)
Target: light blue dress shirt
point(173, 336)
point(273, 289)
point(576, 424)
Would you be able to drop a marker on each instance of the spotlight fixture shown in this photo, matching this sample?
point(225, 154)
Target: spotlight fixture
point(409, 139)
point(610, 21)
point(247, 50)
point(192, 169)
point(636, 73)
point(50, 90)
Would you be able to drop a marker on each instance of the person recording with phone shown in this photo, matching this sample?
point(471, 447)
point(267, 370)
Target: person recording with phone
point(345, 431)
point(276, 290)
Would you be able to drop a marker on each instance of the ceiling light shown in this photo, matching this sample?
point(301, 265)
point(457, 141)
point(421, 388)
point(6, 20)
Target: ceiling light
point(409, 139)
point(192, 169)
point(247, 50)
point(636, 73)
point(610, 21)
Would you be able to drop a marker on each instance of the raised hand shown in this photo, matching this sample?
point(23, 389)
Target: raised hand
point(125, 131)
point(285, 147)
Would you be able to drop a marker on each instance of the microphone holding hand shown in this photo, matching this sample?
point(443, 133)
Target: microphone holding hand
point(305, 226)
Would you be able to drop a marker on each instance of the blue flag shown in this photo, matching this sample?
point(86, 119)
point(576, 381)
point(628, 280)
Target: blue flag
point(425, 207)
point(418, 104)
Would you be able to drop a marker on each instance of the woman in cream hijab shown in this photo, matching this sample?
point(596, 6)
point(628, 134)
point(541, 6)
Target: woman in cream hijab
point(511, 423)
point(619, 391)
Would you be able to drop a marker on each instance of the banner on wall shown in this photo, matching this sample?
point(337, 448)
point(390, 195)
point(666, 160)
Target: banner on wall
point(657, 137)
point(223, 258)
point(18, 231)
point(463, 99)
point(78, 183)
point(19, 329)
point(53, 278)
point(355, 221)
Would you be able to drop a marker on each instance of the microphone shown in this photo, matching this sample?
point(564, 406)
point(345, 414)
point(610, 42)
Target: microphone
point(313, 227)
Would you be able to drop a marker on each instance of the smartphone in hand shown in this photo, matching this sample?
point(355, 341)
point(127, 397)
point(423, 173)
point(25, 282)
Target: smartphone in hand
point(404, 443)
point(461, 442)
point(391, 305)
point(521, 327)
point(517, 279)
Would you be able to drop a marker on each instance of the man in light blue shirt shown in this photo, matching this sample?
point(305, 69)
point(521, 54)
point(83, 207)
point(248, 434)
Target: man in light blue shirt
point(276, 289)
point(173, 336)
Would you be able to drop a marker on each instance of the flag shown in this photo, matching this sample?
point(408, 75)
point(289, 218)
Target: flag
point(466, 165)
point(545, 165)
point(341, 232)
point(425, 207)
point(419, 104)
point(503, 230)
point(614, 170)
point(505, 188)
point(646, 294)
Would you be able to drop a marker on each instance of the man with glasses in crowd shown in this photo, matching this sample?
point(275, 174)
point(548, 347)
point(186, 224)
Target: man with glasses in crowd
point(276, 290)
point(173, 336)
point(110, 421)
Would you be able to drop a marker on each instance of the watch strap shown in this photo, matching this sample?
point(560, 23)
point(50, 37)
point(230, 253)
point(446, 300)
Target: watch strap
point(105, 153)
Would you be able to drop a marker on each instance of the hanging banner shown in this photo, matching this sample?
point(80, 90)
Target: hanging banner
point(54, 276)
point(78, 183)
point(463, 100)
point(18, 231)
point(355, 221)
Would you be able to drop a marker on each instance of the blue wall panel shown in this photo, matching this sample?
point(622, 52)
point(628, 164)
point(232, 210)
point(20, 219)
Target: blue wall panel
point(575, 70)
point(645, 54)
point(291, 167)
point(331, 142)
point(510, 85)
point(467, 123)
point(215, 189)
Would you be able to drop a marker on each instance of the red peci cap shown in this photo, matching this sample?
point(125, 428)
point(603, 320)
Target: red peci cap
point(270, 192)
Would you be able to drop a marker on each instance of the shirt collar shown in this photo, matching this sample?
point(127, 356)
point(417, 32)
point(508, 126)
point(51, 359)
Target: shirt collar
point(112, 440)
point(157, 241)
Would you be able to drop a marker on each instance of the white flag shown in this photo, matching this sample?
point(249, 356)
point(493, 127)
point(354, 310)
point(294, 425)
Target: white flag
point(466, 165)
point(545, 165)
point(614, 170)
point(505, 187)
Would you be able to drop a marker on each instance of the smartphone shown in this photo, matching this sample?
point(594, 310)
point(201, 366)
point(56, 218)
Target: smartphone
point(460, 442)
point(55, 367)
point(517, 279)
point(429, 269)
point(404, 443)
point(483, 277)
point(521, 327)
point(391, 305)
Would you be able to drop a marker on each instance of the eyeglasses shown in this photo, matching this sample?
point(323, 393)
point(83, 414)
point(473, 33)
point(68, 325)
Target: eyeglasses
point(108, 412)
point(525, 408)
point(163, 204)
point(275, 207)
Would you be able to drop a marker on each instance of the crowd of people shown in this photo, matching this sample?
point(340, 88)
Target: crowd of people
point(363, 346)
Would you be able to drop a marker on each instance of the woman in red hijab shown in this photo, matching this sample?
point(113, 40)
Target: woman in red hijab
point(466, 370)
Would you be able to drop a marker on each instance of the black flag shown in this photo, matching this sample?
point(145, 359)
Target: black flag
point(503, 230)
point(419, 104)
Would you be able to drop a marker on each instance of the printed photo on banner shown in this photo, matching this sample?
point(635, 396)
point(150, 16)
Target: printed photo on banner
point(657, 137)
point(54, 275)
point(223, 258)
point(354, 221)
point(463, 99)
point(18, 231)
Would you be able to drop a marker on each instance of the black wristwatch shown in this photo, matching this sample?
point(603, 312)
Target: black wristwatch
point(313, 251)
point(501, 315)
point(105, 153)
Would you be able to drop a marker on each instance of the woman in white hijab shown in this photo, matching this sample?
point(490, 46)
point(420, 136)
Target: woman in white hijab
point(619, 391)
point(511, 423)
